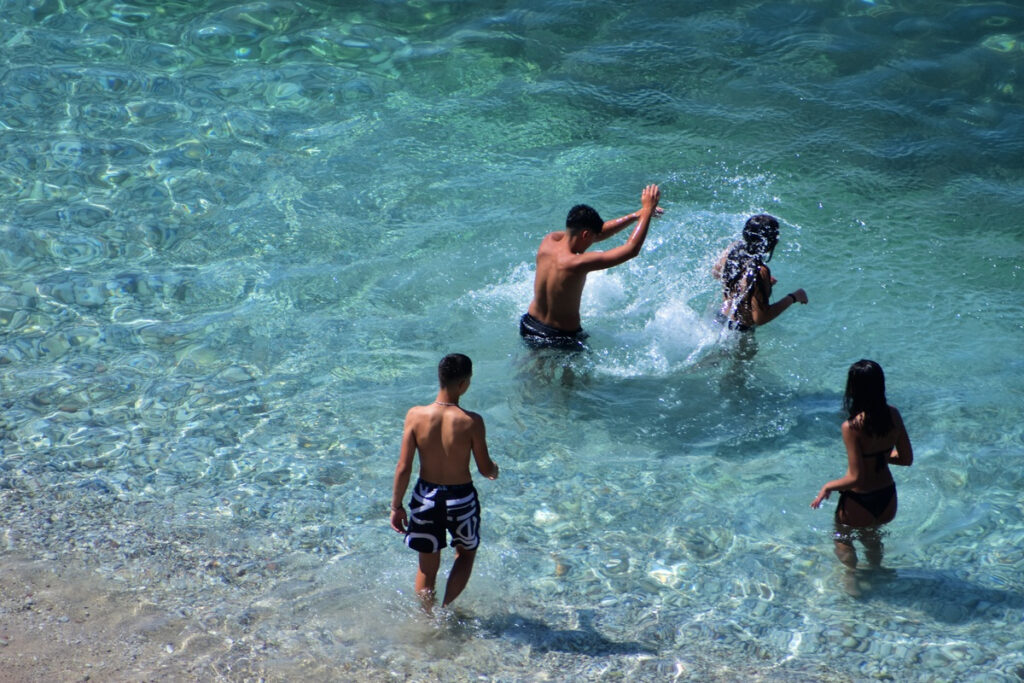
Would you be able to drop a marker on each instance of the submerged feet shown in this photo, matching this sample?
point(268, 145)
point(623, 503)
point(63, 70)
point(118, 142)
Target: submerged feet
point(873, 551)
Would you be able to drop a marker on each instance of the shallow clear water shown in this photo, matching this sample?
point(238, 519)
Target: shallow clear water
point(237, 238)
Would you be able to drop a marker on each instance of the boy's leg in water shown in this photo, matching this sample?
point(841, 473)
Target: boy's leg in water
point(459, 575)
point(426, 578)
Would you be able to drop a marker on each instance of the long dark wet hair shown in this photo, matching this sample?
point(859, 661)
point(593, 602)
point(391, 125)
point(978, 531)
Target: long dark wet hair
point(865, 393)
point(760, 235)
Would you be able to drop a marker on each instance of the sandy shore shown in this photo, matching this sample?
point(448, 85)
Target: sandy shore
point(63, 622)
point(68, 625)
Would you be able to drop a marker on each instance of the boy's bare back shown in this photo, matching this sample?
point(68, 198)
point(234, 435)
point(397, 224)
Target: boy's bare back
point(445, 436)
point(558, 285)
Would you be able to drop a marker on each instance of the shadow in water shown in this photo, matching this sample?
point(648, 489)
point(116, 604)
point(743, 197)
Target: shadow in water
point(549, 369)
point(541, 637)
point(945, 596)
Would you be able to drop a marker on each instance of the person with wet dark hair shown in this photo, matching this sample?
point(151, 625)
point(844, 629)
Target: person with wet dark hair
point(583, 217)
point(444, 501)
point(563, 262)
point(875, 438)
point(747, 281)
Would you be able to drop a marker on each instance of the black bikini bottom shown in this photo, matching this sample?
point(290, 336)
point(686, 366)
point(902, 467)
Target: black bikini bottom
point(876, 502)
point(732, 324)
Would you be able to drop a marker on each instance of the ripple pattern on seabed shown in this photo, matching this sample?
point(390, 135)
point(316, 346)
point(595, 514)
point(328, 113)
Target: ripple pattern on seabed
point(236, 238)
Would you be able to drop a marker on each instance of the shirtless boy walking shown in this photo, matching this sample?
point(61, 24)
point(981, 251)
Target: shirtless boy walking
point(444, 498)
point(553, 319)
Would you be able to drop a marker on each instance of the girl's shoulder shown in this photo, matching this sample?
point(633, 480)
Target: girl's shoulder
point(897, 419)
point(855, 423)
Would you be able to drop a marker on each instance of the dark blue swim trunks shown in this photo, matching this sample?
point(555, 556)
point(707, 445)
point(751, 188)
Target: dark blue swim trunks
point(540, 336)
point(435, 509)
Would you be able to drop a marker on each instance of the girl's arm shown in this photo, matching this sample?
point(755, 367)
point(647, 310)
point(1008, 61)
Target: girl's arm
point(764, 312)
point(903, 452)
point(853, 467)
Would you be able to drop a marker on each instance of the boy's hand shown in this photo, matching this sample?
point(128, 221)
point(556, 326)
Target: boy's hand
point(399, 520)
point(649, 198)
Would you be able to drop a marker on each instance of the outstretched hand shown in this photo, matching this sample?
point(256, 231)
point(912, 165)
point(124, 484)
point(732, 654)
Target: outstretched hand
point(800, 295)
point(822, 495)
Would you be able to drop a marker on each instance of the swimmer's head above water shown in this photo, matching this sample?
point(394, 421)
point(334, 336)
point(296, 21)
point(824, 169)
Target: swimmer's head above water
point(454, 368)
point(761, 234)
point(582, 217)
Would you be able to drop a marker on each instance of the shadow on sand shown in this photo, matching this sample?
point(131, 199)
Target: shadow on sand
point(941, 594)
point(543, 638)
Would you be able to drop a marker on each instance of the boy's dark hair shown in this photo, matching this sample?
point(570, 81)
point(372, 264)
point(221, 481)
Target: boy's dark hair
point(453, 368)
point(582, 217)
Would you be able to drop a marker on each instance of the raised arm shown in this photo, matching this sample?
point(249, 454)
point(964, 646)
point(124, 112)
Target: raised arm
point(615, 225)
point(853, 467)
point(903, 452)
point(403, 472)
point(484, 464)
point(599, 260)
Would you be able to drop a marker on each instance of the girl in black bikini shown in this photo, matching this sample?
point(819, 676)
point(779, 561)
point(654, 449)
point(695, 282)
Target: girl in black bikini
point(875, 438)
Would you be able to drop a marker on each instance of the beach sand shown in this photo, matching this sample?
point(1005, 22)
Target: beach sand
point(64, 624)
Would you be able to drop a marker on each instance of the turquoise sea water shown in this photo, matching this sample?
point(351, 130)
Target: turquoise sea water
point(237, 238)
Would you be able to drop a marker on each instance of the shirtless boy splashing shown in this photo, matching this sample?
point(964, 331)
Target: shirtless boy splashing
point(563, 262)
point(444, 498)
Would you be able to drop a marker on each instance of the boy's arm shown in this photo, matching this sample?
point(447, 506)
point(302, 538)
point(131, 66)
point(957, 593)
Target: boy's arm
point(403, 472)
point(599, 260)
point(484, 464)
point(615, 225)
